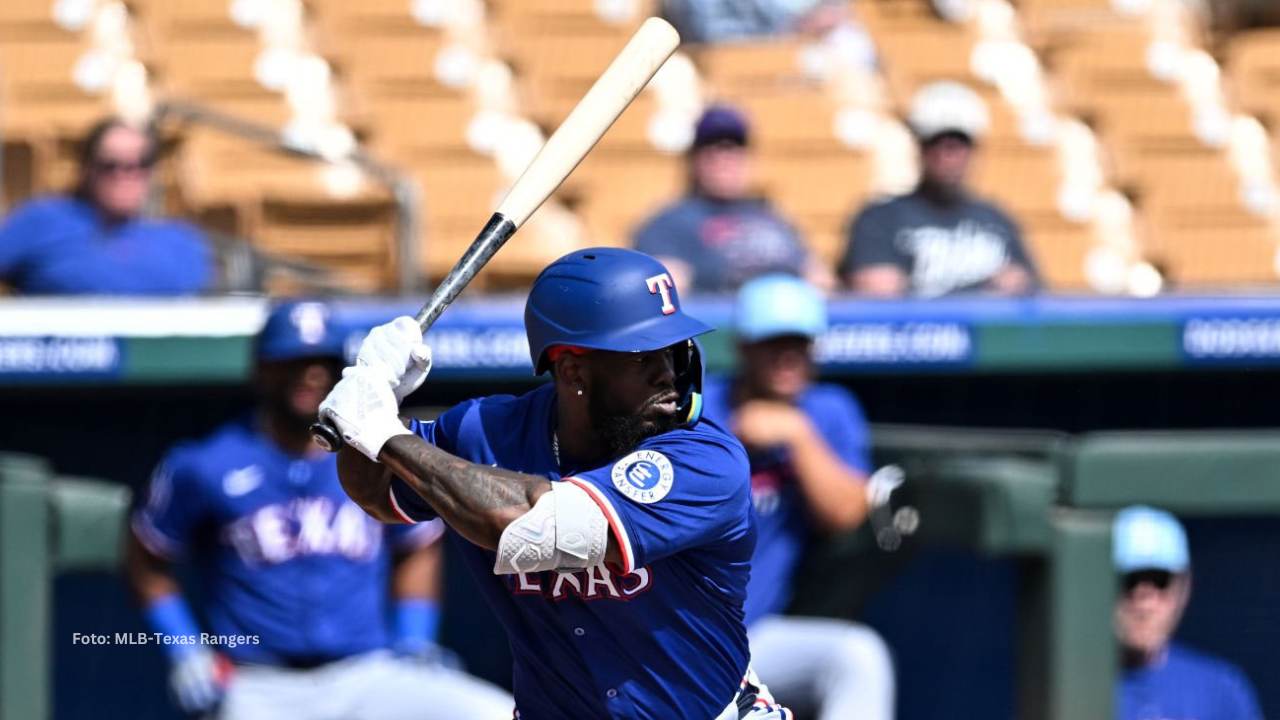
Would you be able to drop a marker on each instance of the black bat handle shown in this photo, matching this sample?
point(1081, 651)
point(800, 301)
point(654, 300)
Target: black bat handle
point(495, 234)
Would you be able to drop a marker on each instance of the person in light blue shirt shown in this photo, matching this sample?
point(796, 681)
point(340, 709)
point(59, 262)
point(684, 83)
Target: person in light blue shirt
point(1162, 679)
point(95, 241)
point(808, 444)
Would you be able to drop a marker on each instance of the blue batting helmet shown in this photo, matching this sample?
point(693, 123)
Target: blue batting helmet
point(619, 300)
point(299, 329)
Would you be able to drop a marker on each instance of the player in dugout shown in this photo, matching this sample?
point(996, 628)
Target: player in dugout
point(608, 524)
point(298, 578)
point(1161, 678)
point(809, 447)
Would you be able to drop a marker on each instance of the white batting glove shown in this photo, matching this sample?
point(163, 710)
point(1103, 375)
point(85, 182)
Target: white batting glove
point(363, 408)
point(397, 352)
point(195, 682)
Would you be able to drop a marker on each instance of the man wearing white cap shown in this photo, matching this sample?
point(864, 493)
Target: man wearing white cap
point(808, 445)
point(938, 239)
point(1163, 679)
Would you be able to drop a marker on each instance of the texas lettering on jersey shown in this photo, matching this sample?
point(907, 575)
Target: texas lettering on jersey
point(595, 583)
point(280, 532)
point(268, 532)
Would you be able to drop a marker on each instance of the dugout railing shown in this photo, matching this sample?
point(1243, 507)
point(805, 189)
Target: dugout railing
point(48, 525)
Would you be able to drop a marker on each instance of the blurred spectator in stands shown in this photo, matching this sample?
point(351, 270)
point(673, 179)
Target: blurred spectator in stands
point(285, 558)
point(809, 448)
point(1231, 15)
point(95, 241)
point(939, 239)
point(714, 21)
point(719, 235)
point(1163, 679)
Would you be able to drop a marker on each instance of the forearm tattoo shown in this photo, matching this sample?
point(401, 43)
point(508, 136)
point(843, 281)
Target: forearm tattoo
point(476, 500)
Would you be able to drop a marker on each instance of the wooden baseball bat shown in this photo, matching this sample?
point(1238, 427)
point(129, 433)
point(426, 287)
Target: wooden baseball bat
point(612, 92)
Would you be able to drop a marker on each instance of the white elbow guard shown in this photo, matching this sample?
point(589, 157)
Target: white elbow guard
point(564, 530)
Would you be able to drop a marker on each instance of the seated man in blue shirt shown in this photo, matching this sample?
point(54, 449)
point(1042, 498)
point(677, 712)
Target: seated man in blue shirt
point(809, 449)
point(718, 235)
point(95, 241)
point(1163, 679)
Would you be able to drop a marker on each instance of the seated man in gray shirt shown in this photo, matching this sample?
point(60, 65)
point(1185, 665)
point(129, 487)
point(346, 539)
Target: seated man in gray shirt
point(938, 239)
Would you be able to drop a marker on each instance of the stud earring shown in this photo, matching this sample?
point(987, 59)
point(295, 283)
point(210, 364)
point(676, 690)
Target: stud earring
point(579, 391)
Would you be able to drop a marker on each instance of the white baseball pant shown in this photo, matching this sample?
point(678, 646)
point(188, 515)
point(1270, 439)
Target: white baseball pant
point(372, 686)
point(840, 667)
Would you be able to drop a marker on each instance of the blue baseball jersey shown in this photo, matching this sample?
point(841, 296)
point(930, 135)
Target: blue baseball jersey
point(1186, 685)
point(63, 246)
point(662, 635)
point(280, 549)
point(780, 506)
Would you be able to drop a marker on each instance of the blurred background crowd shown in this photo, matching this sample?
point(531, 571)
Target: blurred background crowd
point(1123, 147)
point(796, 165)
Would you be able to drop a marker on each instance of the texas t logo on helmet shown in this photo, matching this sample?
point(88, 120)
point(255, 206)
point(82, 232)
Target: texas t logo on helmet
point(661, 285)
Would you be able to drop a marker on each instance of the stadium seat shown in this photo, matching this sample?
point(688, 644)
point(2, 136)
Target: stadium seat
point(1215, 251)
point(1253, 64)
point(163, 20)
point(28, 19)
point(798, 117)
point(817, 189)
point(460, 191)
point(1189, 179)
point(740, 68)
point(1022, 180)
point(400, 125)
point(614, 191)
point(1060, 250)
point(560, 13)
point(915, 56)
point(386, 61)
point(557, 66)
point(355, 238)
point(215, 65)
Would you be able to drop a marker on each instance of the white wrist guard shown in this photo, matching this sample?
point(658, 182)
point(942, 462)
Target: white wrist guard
point(564, 530)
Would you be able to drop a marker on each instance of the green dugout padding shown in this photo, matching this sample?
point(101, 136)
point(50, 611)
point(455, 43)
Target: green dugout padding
point(47, 524)
point(1193, 473)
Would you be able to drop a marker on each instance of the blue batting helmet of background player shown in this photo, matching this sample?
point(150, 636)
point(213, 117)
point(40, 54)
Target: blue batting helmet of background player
point(614, 299)
point(298, 329)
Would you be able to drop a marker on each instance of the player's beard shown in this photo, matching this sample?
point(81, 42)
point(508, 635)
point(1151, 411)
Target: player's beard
point(620, 431)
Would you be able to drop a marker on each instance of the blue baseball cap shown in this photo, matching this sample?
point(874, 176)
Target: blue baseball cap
point(720, 124)
point(1144, 538)
point(775, 305)
point(299, 329)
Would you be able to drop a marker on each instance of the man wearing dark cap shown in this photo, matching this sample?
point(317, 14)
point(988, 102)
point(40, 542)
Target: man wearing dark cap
point(719, 235)
point(938, 239)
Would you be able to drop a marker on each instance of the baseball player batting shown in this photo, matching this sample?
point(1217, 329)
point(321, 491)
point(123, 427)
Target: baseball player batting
point(296, 576)
point(608, 525)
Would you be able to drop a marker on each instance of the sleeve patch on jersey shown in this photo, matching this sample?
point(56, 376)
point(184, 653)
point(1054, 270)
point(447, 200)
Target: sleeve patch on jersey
point(644, 476)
